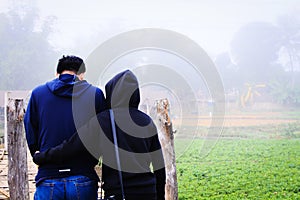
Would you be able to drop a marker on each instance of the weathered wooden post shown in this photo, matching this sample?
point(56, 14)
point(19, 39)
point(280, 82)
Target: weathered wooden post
point(166, 137)
point(17, 151)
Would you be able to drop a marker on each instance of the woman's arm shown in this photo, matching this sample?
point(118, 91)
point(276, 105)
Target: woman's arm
point(66, 150)
point(85, 140)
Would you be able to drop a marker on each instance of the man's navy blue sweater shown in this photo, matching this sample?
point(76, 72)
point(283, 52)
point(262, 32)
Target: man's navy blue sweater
point(55, 110)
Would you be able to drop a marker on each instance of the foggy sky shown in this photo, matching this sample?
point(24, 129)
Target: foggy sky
point(211, 24)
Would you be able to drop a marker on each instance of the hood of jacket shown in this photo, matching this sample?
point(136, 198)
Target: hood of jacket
point(67, 85)
point(123, 91)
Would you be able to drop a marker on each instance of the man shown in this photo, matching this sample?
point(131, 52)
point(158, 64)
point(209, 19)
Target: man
point(55, 110)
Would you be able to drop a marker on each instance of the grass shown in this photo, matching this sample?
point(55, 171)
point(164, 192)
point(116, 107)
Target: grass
point(245, 162)
point(240, 169)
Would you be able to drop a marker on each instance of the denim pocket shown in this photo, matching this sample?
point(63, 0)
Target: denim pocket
point(44, 191)
point(86, 189)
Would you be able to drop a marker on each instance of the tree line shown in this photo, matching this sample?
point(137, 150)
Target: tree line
point(265, 54)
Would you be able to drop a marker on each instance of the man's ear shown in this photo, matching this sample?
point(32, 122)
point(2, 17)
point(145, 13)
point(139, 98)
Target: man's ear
point(80, 76)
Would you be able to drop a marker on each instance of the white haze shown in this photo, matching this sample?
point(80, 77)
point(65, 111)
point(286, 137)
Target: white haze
point(82, 25)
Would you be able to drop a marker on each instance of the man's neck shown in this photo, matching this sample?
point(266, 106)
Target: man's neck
point(69, 72)
point(79, 76)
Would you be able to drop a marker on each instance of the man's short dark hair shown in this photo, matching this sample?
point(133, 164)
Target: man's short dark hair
point(72, 63)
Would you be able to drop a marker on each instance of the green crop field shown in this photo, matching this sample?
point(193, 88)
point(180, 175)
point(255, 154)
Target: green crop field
point(257, 156)
point(240, 169)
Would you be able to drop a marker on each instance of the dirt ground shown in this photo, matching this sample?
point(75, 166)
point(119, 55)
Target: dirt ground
point(237, 120)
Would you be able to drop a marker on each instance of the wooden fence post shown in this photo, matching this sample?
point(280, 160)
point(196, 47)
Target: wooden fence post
point(166, 137)
point(17, 151)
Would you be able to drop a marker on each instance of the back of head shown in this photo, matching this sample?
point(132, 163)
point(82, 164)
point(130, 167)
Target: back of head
point(71, 63)
point(123, 90)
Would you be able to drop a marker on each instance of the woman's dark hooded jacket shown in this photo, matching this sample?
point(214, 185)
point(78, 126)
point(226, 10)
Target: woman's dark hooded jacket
point(137, 140)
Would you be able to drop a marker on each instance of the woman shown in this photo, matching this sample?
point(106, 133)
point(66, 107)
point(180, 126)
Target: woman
point(137, 141)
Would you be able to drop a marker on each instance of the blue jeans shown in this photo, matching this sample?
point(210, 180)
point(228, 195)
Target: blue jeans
point(68, 188)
